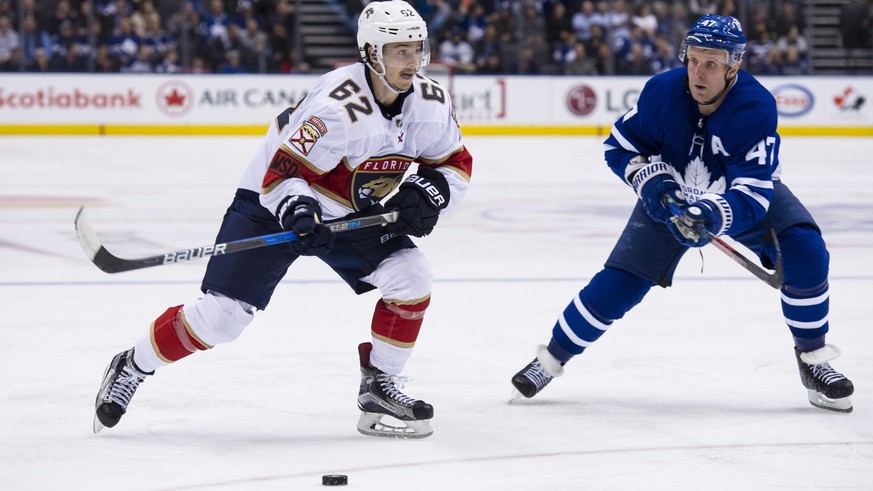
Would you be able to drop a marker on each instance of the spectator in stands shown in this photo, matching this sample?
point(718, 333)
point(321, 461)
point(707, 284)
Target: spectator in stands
point(645, 20)
point(581, 64)
point(233, 63)
point(124, 43)
point(565, 52)
point(40, 62)
point(786, 17)
point(635, 62)
point(434, 12)
point(664, 58)
point(198, 66)
point(63, 13)
point(33, 39)
point(634, 52)
point(558, 27)
point(169, 63)
point(472, 19)
point(528, 64)
point(8, 44)
point(104, 62)
point(618, 23)
point(794, 40)
point(456, 51)
point(533, 35)
point(793, 63)
point(583, 20)
point(143, 17)
point(487, 49)
point(142, 62)
point(758, 49)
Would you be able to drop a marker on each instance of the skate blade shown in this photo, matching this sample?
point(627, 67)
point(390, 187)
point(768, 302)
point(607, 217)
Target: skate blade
point(97, 426)
point(375, 424)
point(515, 396)
point(819, 400)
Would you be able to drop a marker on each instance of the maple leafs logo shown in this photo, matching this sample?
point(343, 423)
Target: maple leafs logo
point(697, 180)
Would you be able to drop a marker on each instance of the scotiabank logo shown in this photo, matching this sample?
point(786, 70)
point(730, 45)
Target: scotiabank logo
point(793, 100)
point(175, 98)
point(53, 98)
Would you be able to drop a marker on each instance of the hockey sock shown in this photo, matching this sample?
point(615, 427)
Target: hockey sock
point(399, 323)
point(609, 295)
point(172, 337)
point(805, 294)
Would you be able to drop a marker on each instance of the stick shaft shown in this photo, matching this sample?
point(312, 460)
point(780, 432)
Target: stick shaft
point(111, 263)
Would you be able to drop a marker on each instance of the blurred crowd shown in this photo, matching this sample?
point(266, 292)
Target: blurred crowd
point(577, 37)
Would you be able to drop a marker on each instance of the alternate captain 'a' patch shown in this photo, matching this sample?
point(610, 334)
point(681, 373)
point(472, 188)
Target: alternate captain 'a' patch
point(305, 137)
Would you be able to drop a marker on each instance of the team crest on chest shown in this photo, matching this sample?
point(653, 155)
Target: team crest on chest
point(696, 180)
point(375, 178)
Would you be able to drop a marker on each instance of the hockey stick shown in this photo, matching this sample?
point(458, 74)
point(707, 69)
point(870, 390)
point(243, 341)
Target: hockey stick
point(111, 263)
point(773, 279)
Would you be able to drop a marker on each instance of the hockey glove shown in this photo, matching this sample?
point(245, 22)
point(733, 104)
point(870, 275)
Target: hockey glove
point(302, 215)
point(419, 201)
point(655, 186)
point(697, 224)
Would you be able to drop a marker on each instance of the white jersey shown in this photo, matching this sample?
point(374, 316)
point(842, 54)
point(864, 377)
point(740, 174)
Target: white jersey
point(337, 146)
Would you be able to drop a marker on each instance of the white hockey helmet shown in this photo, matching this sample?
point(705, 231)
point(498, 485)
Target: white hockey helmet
point(393, 21)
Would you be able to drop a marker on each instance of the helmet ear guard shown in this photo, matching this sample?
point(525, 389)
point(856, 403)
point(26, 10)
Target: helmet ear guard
point(394, 21)
point(716, 32)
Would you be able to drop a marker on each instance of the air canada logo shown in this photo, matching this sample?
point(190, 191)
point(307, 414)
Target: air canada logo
point(175, 98)
point(581, 100)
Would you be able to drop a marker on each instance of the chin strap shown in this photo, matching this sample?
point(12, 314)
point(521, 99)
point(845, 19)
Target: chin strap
point(381, 77)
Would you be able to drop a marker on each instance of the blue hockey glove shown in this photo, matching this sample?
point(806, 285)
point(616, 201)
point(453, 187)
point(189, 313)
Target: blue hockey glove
point(419, 201)
point(696, 224)
point(302, 215)
point(655, 186)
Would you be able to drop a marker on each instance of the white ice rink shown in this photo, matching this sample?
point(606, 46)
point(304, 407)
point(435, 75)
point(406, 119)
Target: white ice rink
point(697, 388)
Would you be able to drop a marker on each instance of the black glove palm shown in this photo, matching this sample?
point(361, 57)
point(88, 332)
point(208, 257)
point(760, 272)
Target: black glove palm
point(302, 214)
point(419, 201)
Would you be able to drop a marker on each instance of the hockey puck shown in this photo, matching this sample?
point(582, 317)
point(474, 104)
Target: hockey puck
point(334, 480)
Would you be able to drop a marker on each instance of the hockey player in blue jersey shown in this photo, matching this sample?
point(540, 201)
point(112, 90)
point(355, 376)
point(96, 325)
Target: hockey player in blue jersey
point(701, 151)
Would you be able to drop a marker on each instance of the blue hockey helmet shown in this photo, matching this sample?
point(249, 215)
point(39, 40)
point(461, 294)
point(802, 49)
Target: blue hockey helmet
point(716, 32)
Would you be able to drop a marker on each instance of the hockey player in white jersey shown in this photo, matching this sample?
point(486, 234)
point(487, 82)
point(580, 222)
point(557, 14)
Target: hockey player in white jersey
point(336, 155)
point(701, 151)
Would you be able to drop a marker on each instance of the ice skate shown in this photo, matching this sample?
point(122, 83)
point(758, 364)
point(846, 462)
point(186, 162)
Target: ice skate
point(385, 410)
point(119, 384)
point(826, 387)
point(536, 375)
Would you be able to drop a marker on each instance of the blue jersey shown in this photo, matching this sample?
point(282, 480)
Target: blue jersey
point(731, 155)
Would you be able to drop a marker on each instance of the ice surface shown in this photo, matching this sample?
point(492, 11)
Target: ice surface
point(696, 388)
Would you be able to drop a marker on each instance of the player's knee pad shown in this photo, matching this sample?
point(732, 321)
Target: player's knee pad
point(611, 293)
point(404, 275)
point(805, 258)
point(215, 318)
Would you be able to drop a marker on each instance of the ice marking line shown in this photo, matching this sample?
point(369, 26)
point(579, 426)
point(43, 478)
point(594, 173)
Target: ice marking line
point(544, 455)
point(579, 280)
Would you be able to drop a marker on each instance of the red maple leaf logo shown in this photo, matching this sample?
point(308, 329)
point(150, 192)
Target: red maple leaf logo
point(174, 98)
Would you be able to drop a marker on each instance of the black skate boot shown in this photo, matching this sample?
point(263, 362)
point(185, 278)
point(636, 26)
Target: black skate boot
point(537, 374)
point(119, 383)
point(380, 397)
point(826, 387)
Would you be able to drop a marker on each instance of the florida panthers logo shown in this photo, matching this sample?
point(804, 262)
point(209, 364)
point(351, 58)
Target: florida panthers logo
point(378, 188)
point(375, 178)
